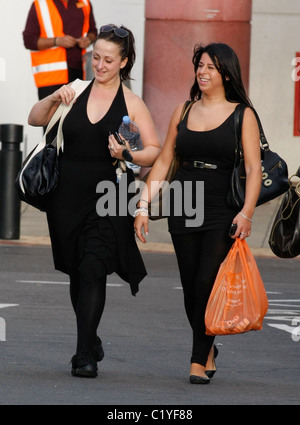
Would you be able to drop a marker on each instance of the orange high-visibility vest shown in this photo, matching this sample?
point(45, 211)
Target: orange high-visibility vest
point(50, 66)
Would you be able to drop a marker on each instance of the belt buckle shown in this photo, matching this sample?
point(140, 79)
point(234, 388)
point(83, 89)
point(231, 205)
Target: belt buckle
point(211, 166)
point(198, 164)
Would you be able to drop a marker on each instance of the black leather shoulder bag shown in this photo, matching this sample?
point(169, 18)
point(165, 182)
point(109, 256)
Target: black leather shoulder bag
point(275, 171)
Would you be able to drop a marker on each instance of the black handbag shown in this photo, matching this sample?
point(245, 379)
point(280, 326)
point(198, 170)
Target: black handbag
point(284, 239)
point(275, 180)
point(39, 174)
point(40, 177)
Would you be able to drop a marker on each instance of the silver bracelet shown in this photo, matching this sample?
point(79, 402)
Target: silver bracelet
point(247, 218)
point(136, 212)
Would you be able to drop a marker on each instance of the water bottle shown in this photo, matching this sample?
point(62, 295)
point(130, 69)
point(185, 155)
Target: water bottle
point(130, 131)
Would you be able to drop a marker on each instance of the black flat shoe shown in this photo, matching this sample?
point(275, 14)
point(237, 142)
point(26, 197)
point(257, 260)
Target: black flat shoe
point(210, 373)
point(98, 350)
point(194, 379)
point(84, 365)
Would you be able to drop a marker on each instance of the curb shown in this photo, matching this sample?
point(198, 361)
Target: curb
point(148, 247)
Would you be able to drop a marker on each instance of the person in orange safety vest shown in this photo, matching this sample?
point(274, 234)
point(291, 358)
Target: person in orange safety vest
point(58, 33)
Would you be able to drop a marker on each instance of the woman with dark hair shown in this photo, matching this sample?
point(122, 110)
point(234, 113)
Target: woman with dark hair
point(205, 144)
point(85, 245)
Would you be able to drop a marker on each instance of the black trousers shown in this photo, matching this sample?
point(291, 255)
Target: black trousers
point(199, 255)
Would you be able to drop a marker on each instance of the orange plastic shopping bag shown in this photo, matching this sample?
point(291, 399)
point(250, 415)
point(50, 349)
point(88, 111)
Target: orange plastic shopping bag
point(238, 302)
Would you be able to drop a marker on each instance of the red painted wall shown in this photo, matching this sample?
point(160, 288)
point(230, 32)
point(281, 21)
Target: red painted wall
point(296, 77)
point(173, 27)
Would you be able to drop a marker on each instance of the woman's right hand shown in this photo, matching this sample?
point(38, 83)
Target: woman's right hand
point(64, 94)
point(141, 221)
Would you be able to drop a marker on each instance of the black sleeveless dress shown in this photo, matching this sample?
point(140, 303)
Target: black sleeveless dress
point(82, 241)
point(216, 147)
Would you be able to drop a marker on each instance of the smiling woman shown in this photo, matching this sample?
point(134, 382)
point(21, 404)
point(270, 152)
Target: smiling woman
point(205, 145)
point(86, 246)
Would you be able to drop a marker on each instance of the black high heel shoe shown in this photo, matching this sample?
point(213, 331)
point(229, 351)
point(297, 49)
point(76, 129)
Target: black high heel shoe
point(194, 379)
point(210, 373)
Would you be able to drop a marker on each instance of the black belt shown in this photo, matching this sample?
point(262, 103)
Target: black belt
point(199, 164)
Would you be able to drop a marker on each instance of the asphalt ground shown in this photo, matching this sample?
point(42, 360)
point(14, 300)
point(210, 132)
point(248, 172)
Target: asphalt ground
point(147, 342)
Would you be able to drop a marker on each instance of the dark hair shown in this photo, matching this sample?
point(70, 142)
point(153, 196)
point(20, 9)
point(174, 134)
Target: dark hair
point(127, 48)
point(227, 63)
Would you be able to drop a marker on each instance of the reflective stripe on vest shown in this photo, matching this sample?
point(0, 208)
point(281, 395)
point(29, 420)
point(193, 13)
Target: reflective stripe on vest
point(50, 66)
point(46, 18)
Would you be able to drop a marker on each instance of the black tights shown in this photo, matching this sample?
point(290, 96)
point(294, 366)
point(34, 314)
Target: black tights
point(199, 256)
point(88, 300)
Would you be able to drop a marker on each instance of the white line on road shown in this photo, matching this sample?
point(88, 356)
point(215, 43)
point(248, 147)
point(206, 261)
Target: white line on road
point(46, 282)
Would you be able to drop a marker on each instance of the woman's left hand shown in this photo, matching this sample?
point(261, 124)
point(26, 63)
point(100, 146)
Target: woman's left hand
point(115, 148)
point(243, 230)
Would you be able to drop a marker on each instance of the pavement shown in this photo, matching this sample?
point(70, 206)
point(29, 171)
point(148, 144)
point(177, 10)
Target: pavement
point(34, 230)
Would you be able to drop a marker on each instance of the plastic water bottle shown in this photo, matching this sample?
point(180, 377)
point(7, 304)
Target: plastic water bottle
point(131, 133)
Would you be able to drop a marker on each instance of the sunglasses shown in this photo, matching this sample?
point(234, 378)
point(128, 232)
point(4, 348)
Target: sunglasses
point(119, 32)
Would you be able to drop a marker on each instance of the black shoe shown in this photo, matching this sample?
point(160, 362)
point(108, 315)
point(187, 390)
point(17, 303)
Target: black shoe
point(210, 373)
point(194, 379)
point(84, 365)
point(98, 350)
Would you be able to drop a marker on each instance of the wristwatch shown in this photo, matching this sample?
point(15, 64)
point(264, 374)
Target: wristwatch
point(127, 155)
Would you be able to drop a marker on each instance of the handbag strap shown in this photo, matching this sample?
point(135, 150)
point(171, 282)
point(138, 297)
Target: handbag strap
point(186, 107)
point(62, 111)
point(238, 123)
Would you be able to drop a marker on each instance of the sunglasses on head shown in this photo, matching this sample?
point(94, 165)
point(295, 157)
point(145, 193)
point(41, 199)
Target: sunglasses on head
point(119, 32)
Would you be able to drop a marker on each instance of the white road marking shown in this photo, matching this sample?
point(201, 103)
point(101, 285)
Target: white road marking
point(47, 282)
point(290, 312)
point(8, 305)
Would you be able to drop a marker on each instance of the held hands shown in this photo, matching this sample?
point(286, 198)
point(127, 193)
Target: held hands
point(68, 42)
point(84, 42)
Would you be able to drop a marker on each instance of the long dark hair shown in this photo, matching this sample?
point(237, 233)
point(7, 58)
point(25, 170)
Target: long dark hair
point(227, 63)
point(127, 48)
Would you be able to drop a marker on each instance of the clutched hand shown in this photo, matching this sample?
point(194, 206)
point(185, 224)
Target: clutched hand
point(240, 228)
point(64, 94)
point(115, 148)
point(84, 42)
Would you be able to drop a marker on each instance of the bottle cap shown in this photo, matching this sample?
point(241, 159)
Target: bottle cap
point(126, 119)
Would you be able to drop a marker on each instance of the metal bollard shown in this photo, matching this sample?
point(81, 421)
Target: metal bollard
point(11, 135)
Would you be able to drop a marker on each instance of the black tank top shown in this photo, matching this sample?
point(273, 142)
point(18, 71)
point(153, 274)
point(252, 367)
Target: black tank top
point(217, 147)
point(86, 141)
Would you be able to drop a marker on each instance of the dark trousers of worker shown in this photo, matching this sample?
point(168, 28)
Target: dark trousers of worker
point(199, 255)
